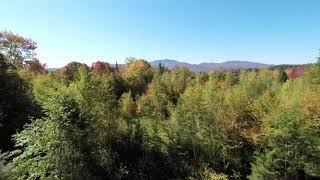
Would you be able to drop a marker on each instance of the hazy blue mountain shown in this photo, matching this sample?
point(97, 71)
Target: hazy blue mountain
point(205, 67)
point(52, 69)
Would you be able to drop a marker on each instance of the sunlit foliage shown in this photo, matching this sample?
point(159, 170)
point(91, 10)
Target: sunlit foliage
point(145, 122)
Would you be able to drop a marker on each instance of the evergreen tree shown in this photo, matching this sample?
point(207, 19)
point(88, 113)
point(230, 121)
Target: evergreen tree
point(116, 67)
point(283, 77)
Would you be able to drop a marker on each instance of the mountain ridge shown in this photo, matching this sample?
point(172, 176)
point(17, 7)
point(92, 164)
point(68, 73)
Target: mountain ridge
point(210, 66)
point(203, 66)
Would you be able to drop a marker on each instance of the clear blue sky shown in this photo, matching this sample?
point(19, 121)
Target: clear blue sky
point(268, 31)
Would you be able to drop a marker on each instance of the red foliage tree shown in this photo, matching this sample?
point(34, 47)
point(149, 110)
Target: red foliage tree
point(36, 67)
point(296, 72)
point(101, 67)
point(16, 48)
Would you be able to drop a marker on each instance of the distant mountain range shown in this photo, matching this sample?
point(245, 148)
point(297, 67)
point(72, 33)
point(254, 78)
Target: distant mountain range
point(205, 67)
point(202, 67)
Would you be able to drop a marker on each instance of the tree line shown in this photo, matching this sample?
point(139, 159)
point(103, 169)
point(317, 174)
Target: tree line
point(144, 122)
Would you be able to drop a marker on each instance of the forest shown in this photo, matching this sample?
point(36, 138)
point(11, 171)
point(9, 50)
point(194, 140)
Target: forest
point(146, 122)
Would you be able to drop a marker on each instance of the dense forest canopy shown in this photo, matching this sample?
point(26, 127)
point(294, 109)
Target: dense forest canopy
point(144, 122)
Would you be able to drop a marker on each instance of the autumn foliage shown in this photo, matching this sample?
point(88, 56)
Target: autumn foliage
point(101, 68)
point(296, 72)
point(36, 67)
point(145, 122)
point(17, 49)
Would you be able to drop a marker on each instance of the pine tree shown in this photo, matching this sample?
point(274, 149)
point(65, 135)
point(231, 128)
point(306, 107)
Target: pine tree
point(117, 68)
point(283, 77)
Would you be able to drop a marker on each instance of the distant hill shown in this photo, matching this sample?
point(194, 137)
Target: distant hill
point(205, 67)
point(202, 67)
point(52, 69)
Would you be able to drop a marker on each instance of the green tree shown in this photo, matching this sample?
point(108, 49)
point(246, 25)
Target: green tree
point(16, 104)
point(175, 82)
point(155, 104)
point(313, 75)
point(128, 106)
point(81, 120)
point(70, 71)
point(161, 68)
point(283, 77)
point(231, 78)
point(289, 150)
point(51, 147)
point(118, 83)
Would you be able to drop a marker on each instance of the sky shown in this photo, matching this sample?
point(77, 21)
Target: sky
point(194, 31)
